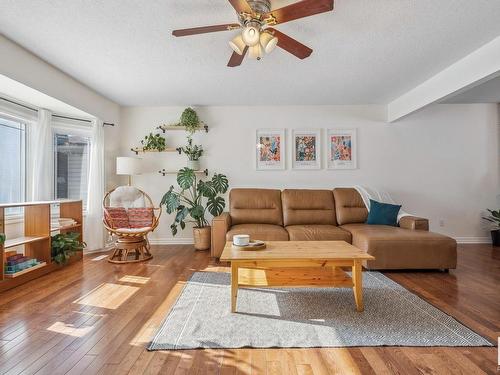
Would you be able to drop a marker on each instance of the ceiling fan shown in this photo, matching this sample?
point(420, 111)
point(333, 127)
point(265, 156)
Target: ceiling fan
point(255, 17)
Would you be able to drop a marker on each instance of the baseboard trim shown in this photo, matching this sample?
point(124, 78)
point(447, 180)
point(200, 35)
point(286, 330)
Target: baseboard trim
point(472, 240)
point(171, 241)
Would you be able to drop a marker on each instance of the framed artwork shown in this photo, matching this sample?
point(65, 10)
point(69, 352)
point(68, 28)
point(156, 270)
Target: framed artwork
point(342, 148)
point(270, 150)
point(306, 149)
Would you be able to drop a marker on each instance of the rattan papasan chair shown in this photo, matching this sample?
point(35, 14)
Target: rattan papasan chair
point(129, 216)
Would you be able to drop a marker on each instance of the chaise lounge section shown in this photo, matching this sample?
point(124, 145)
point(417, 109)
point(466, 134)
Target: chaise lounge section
point(326, 215)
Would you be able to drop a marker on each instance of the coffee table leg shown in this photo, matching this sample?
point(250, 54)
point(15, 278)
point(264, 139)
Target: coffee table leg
point(357, 278)
point(234, 286)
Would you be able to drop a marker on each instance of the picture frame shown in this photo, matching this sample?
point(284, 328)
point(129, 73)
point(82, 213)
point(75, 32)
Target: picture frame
point(270, 150)
point(342, 149)
point(306, 149)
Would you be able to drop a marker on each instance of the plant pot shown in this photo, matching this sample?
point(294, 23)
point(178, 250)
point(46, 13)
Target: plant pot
point(194, 164)
point(202, 237)
point(495, 237)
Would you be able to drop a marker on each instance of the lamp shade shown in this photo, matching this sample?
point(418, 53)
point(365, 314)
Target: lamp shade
point(251, 36)
point(268, 41)
point(237, 44)
point(128, 166)
point(256, 52)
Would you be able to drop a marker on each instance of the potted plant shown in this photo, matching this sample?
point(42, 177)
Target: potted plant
point(194, 199)
point(65, 245)
point(193, 153)
point(494, 218)
point(190, 120)
point(154, 142)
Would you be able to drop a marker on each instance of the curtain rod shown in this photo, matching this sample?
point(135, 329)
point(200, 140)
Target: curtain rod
point(58, 116)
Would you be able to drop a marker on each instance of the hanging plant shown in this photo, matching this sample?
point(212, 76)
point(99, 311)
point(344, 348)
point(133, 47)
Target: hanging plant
point(190, 120)
point(154, 142)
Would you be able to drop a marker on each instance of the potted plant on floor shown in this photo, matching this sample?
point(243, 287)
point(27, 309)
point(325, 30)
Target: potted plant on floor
point(65, 245)
point(194, 199)
point(494, 218)
point(193, 153)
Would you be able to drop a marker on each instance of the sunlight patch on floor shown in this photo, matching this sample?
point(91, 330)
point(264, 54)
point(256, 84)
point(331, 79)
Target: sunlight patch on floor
point(107, 295)
point(134, 279)
point(69, 329)
point(148, 330)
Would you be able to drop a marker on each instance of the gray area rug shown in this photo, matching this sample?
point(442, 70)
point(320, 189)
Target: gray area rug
point(305, 317)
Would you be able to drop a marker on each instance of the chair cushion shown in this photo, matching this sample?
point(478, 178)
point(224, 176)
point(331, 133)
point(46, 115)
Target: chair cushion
point(349, 206)
point(302, 207)
point(127, 196)
point(383, 213)
point(265, 232)
point(133, 230)
point(140, 217)
point(255, 206)
point(398, 248)
point(317, 233)
point(116, 217)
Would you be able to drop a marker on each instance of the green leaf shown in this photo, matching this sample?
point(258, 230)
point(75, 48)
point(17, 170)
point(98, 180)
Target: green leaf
point(182, 212)
point(171, 201)
point(183, 225)
point(206, 189)
point(216, 205)
point(220, 183)
point(186, 178)
point(197, 212)
point(173, 228)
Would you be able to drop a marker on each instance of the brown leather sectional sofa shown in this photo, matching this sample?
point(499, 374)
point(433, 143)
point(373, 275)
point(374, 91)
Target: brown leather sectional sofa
point(326, 215)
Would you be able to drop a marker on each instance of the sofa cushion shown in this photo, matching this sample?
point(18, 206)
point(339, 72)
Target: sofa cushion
point(383, 213)
point(301, 207)
point(265, 232)
point(349, 206)
point(398, 248)
point(317, 233)
point(255, 206)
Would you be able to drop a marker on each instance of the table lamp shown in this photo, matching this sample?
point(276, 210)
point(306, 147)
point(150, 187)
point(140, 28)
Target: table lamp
point(129, 166)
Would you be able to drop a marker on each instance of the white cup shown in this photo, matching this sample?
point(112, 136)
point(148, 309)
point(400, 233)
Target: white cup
point(241, 239)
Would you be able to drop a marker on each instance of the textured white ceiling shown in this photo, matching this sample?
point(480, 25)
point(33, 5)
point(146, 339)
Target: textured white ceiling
point(366, 51)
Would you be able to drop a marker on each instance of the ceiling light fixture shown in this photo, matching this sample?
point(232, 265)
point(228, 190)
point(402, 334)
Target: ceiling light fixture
point(238, 44)
point(251, 34)
point(268, 41)
point(256, 52)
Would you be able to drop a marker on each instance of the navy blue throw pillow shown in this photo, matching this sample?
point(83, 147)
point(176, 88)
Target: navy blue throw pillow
point(383, 213)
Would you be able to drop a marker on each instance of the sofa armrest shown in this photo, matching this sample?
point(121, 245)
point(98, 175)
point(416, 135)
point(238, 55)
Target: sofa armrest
point(220, 226)
point(414, 223)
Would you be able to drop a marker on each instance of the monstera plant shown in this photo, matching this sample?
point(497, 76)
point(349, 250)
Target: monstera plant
point(193, 201)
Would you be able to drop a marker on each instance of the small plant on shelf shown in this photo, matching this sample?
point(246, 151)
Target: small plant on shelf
point(193, 153)
point(2, 238)
point(65, 245)
point(190, 120)
point(194, 199)
point(154, 142)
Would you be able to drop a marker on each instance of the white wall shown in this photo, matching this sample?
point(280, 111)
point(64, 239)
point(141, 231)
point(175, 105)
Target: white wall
point(441, 163)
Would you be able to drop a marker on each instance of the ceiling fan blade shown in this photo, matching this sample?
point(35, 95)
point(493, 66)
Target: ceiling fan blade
point(291, 45)
point(206, 29)
point(304, 8)
point(236, 59)
point(241, 6)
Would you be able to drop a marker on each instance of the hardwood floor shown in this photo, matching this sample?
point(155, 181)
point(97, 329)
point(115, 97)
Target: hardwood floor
point(97, 317)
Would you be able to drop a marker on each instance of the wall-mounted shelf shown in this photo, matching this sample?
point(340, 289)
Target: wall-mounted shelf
point(165, 172)
point(164, 128)
point(138, 150)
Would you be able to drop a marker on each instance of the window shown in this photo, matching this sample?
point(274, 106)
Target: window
point(13, 162)
point(71, 166)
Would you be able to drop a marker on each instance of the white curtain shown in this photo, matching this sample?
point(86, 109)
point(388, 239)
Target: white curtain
point(94, 231)
point(41, 157)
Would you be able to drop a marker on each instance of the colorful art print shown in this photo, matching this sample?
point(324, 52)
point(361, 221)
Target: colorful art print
point(306, 149)
point(342, 149)
point(270, 151)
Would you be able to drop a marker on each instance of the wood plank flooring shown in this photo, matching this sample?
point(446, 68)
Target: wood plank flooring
point(96, 318)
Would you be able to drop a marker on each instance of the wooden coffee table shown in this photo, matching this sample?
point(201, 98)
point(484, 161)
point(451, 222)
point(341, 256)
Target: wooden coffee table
point(297, 264)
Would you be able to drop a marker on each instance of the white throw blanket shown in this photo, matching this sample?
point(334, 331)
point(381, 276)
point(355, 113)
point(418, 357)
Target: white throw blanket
point(379, 196)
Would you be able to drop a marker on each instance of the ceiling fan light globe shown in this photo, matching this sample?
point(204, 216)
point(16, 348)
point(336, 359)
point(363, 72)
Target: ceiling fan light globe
point(251, 36)
point(268, 42)
point(237, 44)
point(256, 52)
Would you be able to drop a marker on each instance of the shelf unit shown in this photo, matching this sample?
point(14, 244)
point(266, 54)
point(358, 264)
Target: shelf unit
point(140, 150)
point(37, 237)
point(165, 172)
point(164, 128)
